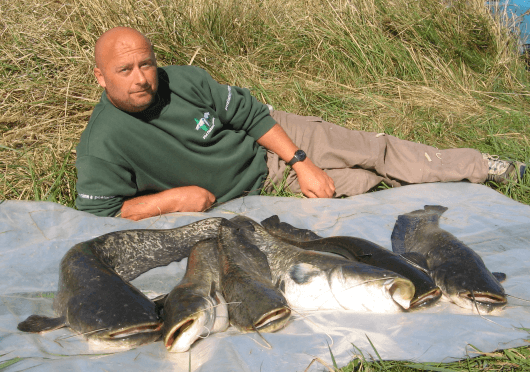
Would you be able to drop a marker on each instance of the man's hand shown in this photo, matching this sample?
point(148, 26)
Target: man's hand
point(314, 182)
point(179, 199)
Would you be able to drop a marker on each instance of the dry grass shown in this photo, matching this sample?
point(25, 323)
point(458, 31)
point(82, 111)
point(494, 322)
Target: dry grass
point(396, 66)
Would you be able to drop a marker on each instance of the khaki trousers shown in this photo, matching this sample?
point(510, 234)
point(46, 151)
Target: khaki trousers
point(357, 161)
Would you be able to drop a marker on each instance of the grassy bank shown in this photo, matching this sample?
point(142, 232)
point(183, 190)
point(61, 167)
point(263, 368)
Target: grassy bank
point(442, 73)
point(439, 72)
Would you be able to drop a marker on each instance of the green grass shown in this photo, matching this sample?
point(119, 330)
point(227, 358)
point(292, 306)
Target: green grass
point(443, 73)
point(504, 360)
point(10, 362)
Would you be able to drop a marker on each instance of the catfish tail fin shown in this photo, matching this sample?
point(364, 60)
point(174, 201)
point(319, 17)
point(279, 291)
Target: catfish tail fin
point(39, 323)
point(407, 224)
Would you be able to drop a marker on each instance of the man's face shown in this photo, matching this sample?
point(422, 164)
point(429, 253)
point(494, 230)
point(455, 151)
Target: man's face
point(129, 74)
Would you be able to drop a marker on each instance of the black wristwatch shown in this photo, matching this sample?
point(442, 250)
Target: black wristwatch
point(299, 155)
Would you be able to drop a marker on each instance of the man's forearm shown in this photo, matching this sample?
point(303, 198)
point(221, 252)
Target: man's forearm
point(277, 141)
point(180, 199)
point(314, 182)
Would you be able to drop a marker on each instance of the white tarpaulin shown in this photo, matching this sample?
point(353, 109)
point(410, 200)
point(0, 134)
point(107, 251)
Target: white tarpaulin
point(34, 236)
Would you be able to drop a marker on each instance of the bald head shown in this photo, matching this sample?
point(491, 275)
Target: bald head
point(126, 68)
point(117, 38)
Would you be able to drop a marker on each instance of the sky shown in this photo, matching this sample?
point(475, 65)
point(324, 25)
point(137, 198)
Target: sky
point(518, 8)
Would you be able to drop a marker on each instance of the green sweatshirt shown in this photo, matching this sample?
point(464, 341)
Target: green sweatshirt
point(197, 132)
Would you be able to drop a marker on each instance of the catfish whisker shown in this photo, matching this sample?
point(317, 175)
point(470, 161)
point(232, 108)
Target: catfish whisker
point(352, 286)
point(269, 346)
point(369, 281)
point(316, 325)
point(336, 299)
point(82, 334)
point(482, 316)
point(216, 305)
point(233, 303)
point(519, 298)
point(408, 260)
point(209, 332)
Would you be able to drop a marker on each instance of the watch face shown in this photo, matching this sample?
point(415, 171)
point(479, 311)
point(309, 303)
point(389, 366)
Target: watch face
point(300, 154)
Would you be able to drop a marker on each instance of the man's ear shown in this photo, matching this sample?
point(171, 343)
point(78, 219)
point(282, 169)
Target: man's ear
point(99, 77)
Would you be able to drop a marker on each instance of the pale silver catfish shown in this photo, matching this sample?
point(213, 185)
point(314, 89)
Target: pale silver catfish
point(362, 250)
point(317, 281)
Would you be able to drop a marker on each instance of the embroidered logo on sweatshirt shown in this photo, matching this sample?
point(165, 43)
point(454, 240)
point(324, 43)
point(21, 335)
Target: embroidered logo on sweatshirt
point(205, 125)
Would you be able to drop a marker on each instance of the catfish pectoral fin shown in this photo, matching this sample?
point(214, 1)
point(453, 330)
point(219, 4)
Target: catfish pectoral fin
point(159, 303)
point(501, 277)
point(39, 323)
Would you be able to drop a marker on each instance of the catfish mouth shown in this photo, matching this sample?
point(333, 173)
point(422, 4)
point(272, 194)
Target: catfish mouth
point(273, 321)
point(484, 298)
point(177, 331)
point(135, 330)
point(426, 299)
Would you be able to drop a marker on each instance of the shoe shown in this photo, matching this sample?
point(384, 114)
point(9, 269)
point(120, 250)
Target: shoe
point(503, 171)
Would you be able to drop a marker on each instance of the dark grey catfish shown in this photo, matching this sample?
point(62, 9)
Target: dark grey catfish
point(455, 268)
point(314, 280)
point(361, 250)
point(94, 297)
point(195, 307)
point(254, 303)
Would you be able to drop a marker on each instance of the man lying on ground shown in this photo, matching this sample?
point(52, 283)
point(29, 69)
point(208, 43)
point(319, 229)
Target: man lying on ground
point(172, 139)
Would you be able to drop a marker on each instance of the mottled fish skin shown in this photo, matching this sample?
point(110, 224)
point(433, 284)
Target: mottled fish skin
point(254, 303)
point(455, 268)
point(133, 252)
point(362, 250)
point(95, 297)
point(195, 307)
point(317, 281)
